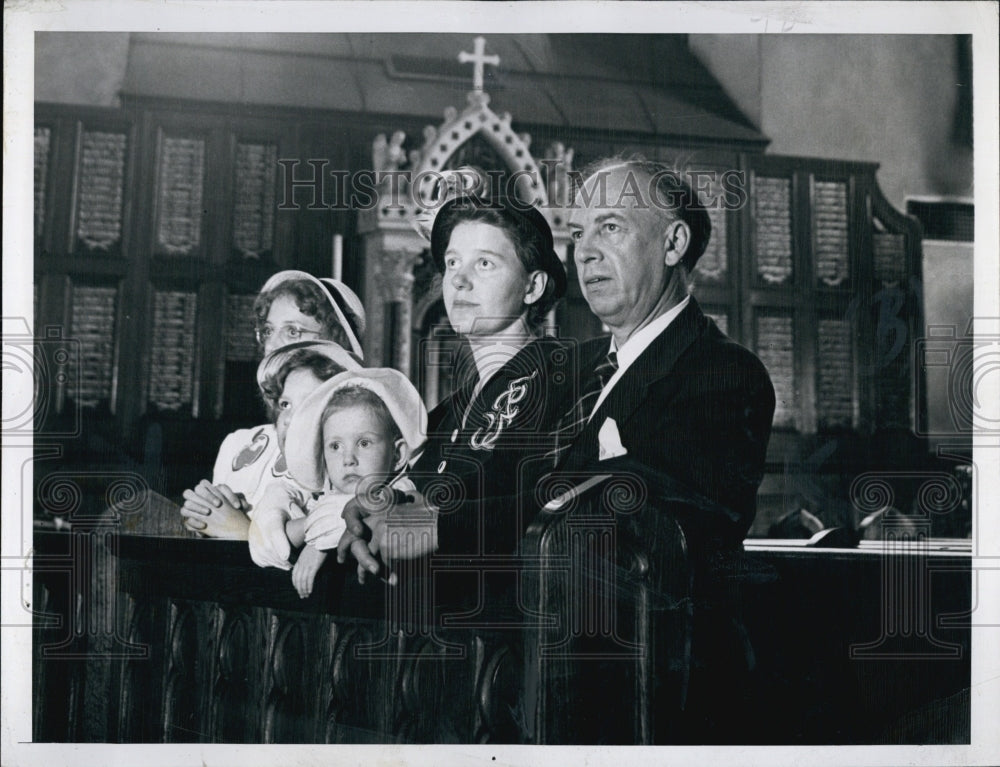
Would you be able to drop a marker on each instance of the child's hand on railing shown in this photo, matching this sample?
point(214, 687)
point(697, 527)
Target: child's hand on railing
point(304, 573)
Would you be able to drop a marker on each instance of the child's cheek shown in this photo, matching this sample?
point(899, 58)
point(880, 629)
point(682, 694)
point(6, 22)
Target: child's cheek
point(281, 428)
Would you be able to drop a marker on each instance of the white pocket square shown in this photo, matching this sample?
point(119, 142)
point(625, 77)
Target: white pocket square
point(610, 441)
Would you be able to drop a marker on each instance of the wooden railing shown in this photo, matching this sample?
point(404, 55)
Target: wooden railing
point(201, 645)
point(586, 638)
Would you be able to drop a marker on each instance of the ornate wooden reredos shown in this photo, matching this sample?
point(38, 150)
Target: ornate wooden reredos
point(156, 223)
point(396, 301)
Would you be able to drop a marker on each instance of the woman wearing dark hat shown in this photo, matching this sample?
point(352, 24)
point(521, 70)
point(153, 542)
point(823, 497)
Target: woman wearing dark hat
point(487, 443)
point(292, 306)
point(500, 279)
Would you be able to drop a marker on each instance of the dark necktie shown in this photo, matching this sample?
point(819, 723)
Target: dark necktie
point(575, 419)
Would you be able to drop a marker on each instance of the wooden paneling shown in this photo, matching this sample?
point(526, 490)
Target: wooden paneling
point(146, 219)
point(180, 182)
point(92, 324)
point(100, 194)
point(171, 372)
point(772, 201)
point(827, 249)
point(831, 235)
point(43, 157)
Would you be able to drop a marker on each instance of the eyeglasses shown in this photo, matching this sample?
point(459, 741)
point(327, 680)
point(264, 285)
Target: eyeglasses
point(286, 334)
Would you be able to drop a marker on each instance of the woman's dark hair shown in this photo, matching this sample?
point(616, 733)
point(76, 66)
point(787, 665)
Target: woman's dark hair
point(319, 364)
point(313, 301)
point(532, 246)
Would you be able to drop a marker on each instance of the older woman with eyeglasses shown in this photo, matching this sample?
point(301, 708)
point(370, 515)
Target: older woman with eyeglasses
point(292, 306)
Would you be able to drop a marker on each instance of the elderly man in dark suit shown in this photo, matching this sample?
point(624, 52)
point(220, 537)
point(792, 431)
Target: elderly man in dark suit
point(674, 402)
point(668, 400)
point(673, 397)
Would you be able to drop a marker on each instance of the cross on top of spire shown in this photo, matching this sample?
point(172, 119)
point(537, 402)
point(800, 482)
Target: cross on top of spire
point(478, 58)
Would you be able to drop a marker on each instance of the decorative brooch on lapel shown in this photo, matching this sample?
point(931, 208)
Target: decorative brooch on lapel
point(252, 451)
point(505, 409)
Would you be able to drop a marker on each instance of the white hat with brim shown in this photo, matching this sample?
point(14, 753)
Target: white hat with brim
point(333, 290)
point(304, 442)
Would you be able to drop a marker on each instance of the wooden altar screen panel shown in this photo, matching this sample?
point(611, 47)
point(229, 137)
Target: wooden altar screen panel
point(828, 296)
point(154, 228)
point(84, 181)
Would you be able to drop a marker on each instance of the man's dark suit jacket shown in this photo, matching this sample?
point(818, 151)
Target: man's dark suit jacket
point(694, 411)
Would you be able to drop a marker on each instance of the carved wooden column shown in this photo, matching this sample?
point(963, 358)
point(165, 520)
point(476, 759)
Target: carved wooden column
point(561, 244)
point(390, 254)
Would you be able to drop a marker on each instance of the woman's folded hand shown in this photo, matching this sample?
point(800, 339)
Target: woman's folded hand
point(215, 511)
point(405, 531)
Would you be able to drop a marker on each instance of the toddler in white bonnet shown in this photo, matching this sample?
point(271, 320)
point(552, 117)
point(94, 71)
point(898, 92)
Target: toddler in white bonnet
point(355, 432)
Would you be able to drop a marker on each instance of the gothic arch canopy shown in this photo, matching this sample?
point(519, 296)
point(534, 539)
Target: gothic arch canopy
point(478, 119)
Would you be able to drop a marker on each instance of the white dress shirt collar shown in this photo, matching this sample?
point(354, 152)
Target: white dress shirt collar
point(637, 344)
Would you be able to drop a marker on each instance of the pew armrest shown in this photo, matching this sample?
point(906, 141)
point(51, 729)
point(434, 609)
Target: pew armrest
point(609, 576)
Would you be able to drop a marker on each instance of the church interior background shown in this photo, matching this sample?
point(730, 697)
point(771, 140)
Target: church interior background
point(175, 172)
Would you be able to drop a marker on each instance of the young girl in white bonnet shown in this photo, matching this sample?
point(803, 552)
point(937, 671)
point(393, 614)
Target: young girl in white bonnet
point(353, 434)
